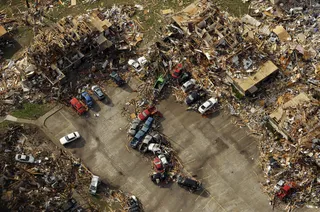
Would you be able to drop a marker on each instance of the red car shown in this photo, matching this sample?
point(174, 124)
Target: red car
point(177, 71)
point(147, 112)
point(157, 164)
point(78, 106)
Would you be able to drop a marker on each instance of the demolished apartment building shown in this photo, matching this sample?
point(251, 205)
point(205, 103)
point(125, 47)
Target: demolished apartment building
point(298, 119)
point(220, 39)
point(64, 46)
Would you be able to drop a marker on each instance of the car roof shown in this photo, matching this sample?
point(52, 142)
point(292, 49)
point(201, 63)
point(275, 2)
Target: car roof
point(207, 104)
point(74, 101)
point(71, 135)
point(86, 95)
point(213, 100)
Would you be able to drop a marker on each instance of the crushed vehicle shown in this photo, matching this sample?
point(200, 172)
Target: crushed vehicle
point(69, 205)
point(284, 189)
point(187, 86)
point(94, 185)
point(142, 61)
point(134, 205)
point(188, 183)
point(158, 86)
point(157, 138)
point(133, 127)
point(157, 164)
point(158, 177)
point(144, 145)
point(138, 64)
point(78, 106)
point(69, 138)
point(147, 125)
point(147, 112)
point(137, 139)
point(87, 98)
point(117, 79)
point(184, 77)
point(193, 97)
point(98, 92)
point(24, 158)
point(163, 159)
point(177, 71)
point(209, 104)
point(154, 148)
point(141, 133)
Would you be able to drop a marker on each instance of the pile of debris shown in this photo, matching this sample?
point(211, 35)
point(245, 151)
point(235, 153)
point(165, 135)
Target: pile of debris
point(46, 72)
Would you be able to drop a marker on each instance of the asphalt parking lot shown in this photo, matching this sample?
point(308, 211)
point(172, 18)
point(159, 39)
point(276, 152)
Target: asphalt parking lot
point(219, 153)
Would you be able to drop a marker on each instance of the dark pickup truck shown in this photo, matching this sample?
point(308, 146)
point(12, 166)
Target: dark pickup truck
point(141, 133)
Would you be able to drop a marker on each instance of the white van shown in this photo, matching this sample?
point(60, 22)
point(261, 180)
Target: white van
point(94, 184)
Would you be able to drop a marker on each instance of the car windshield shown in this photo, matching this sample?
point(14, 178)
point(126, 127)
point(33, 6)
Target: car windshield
point(23, 157)
point(70, 137)
point(207, 104)
point(136, 65)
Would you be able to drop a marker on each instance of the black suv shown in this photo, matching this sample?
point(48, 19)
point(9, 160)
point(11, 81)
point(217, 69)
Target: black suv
point(188, 183)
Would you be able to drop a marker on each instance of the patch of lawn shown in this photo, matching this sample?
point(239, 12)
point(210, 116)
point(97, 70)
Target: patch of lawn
point(5, 124)
point(32, 111)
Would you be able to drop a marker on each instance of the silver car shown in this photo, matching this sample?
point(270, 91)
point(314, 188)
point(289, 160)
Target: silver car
point(98, 92)
point(133, 127)
point(187, 86)
point(24, 158)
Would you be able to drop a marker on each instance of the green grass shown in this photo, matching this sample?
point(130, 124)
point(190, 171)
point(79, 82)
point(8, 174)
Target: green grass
point(236, 93)
point(234, 7)
point(32, 111)
point(5, 124)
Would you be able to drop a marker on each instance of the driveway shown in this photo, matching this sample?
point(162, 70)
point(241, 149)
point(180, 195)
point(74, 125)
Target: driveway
point(219, 153)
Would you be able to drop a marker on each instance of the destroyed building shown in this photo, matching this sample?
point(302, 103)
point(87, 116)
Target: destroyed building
point(297, 119)
point(249, 84)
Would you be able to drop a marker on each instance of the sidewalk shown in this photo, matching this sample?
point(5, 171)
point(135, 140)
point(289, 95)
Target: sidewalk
point(39, 122)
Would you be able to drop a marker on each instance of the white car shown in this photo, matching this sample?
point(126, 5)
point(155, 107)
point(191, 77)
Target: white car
point(142, 61)
point(208, 105)
point(188, 85)
point(133, 127)
point(136, 65)
point(94, 184)
point(155, 148)
point(69, 138)
point(163, 159)
point(24, 158)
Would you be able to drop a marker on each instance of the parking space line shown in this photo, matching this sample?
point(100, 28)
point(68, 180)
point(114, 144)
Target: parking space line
point(224, 126)
point(212, 198)
point(249, 144)
point(201, 194)
point(242, 137)
point(206, 177)
point(190, 161)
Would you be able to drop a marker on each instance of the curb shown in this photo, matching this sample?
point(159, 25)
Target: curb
point(48, 116)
